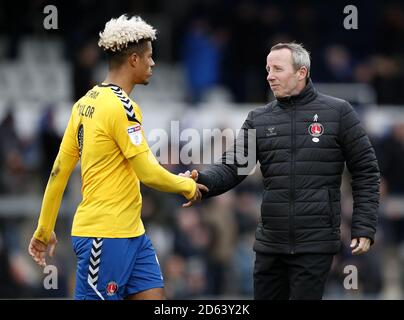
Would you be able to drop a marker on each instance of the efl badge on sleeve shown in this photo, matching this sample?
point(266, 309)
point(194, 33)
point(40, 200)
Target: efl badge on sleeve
point(135, 134)
point(316, 129)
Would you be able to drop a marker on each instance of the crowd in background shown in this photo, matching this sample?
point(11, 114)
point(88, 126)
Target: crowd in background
point(225, 43)
point(206, 251)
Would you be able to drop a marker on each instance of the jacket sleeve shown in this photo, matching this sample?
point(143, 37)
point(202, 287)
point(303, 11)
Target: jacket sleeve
point(362, 164)
point(235, 164)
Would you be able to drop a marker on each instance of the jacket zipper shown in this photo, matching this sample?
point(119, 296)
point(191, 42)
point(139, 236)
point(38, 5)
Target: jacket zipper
point(292, 185)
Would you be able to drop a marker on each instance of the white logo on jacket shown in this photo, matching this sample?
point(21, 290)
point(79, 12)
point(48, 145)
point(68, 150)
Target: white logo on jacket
point(316, 129)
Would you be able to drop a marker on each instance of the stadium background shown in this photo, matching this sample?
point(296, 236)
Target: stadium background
point(210, 70)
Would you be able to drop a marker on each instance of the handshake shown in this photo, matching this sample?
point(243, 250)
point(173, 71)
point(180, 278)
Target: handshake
point(199, 188)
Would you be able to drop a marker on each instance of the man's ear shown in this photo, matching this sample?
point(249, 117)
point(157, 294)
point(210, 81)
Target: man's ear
point(302, 73)
point(133, 59)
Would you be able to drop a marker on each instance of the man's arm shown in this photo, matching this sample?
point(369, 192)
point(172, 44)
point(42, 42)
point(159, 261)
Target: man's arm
point(362, 164)
point(231, 169)
point(44, 236)
point(61, 171)
point(153, 175)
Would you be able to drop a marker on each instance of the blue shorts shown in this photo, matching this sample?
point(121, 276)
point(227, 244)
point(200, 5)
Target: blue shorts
point(111, 269)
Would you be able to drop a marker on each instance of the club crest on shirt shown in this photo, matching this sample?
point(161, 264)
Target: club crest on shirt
point(112, 288)
point(316, 129)
point(135, 134)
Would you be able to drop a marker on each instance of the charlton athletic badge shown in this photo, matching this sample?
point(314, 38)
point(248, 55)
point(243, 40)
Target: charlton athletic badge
point(316, 129)
point(112, 288)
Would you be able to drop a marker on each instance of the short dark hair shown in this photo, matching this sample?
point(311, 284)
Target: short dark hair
point(116, 58)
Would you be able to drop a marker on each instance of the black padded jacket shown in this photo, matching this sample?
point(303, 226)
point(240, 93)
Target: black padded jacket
point(303, 143)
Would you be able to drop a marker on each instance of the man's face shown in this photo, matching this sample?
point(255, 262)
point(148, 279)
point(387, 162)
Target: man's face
point(144, 65)
point(282, 77)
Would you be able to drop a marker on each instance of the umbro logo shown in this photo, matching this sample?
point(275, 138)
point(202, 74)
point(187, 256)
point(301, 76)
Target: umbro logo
point(271, 132)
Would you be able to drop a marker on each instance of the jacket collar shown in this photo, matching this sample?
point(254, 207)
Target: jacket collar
point(308, 94)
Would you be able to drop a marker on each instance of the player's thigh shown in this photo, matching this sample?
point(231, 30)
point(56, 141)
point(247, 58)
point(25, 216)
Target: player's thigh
point(146, 280)
point(104, 266)
point(82, 248)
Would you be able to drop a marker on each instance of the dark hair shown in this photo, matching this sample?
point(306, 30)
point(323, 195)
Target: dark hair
point(116, 58)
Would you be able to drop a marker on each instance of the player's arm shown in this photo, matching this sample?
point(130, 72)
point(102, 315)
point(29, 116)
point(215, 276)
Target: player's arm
point(130, 138)
point(153, 175)
point(61, 171)
point(44, 237)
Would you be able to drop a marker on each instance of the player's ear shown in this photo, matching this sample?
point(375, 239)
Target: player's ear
point(133, 59)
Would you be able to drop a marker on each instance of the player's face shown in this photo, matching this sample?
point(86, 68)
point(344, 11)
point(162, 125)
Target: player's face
point(282, 76)
point(145, 65)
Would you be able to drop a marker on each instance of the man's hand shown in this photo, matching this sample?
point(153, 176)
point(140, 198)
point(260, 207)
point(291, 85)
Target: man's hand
point(188, 174)
point(199, 187)
point(360, 245)
point(38, 249)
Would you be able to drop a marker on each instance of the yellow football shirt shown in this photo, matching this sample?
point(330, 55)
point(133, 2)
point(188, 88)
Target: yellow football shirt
point(105, 130)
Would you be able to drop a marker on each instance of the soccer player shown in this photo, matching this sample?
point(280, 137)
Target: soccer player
point(115, 258)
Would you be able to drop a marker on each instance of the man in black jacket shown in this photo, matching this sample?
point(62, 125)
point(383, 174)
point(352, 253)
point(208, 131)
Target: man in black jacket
point(303, 140)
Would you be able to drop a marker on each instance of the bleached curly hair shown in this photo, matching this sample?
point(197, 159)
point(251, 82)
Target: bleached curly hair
point(118, 33)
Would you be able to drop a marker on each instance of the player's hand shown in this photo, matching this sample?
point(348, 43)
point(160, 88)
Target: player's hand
point(199, 187)
point(38, 249)
point(198, 195)
point(360, 245)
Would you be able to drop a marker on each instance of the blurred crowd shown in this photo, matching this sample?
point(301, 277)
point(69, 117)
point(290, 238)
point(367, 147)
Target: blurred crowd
point(225, 43)
point(206, 251)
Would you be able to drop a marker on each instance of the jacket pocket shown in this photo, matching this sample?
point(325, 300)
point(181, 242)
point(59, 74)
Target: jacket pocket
point(331, 212)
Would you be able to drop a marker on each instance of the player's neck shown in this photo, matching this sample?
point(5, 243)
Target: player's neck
point(121, 80)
